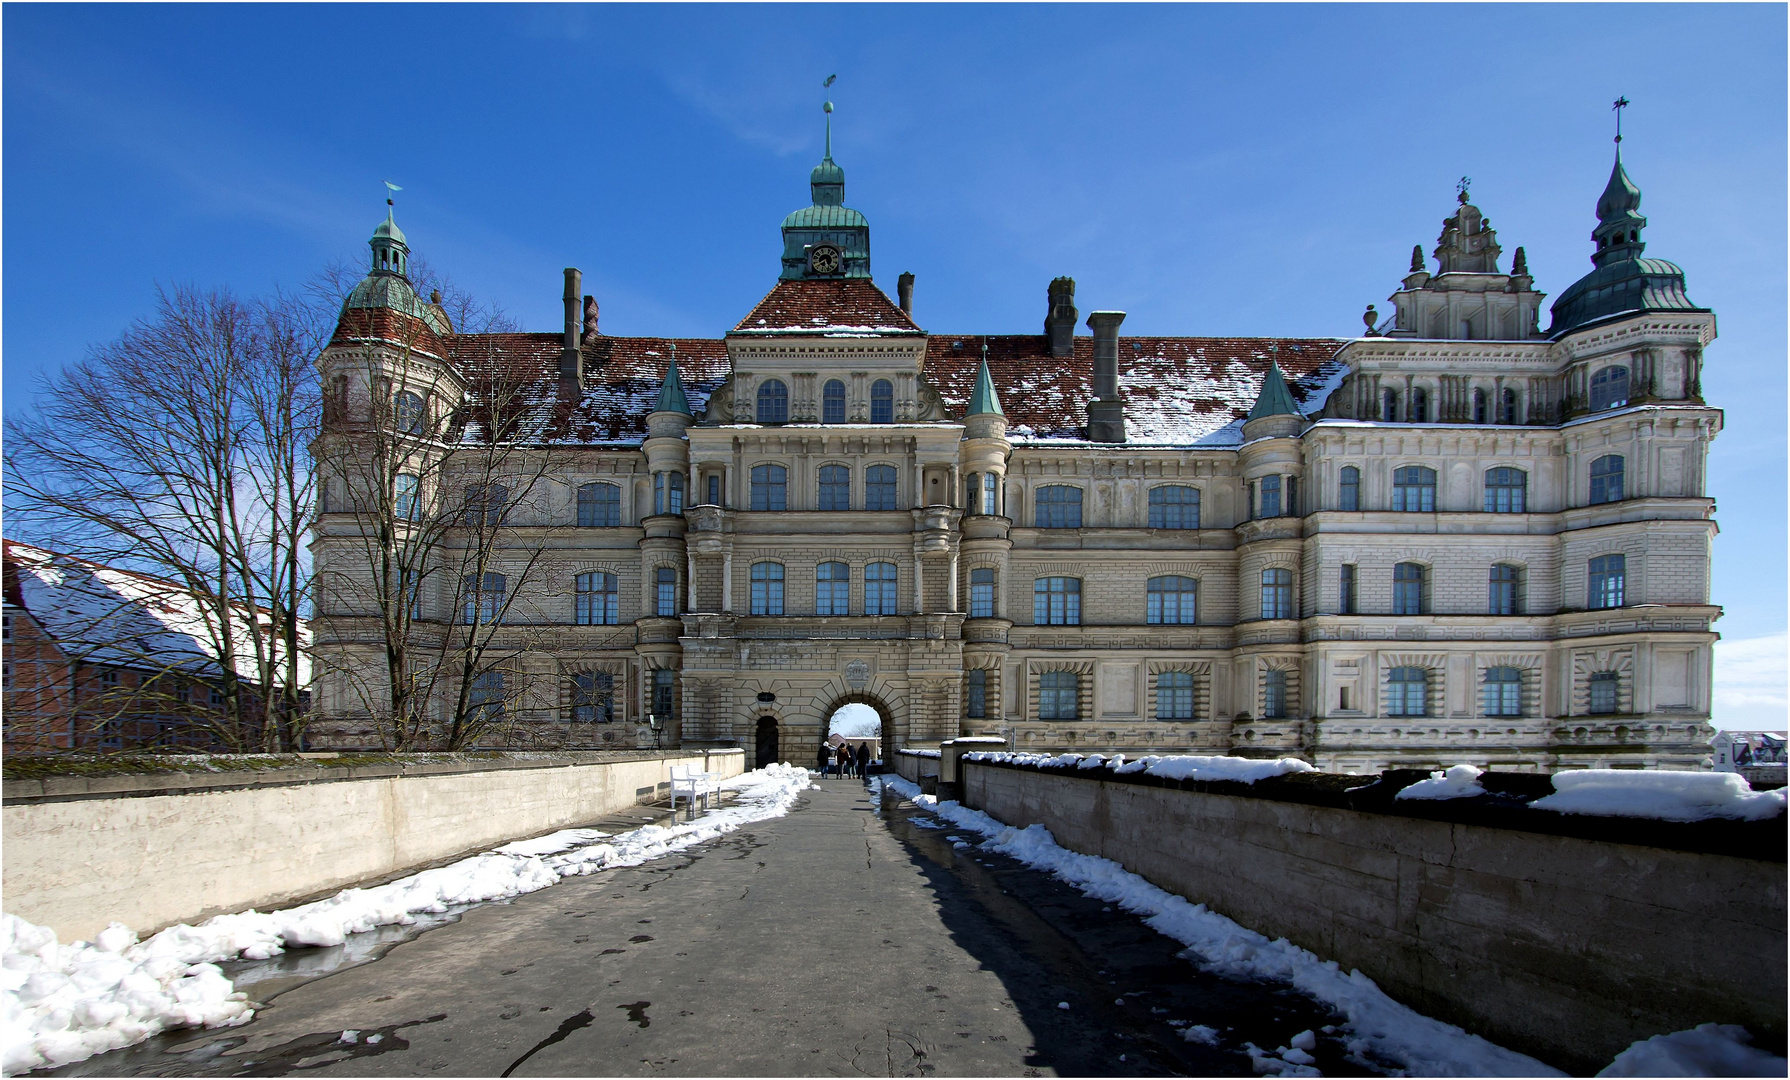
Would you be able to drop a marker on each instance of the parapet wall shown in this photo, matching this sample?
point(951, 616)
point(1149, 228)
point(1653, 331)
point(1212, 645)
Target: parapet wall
point(1564, 937)
point(151, 849)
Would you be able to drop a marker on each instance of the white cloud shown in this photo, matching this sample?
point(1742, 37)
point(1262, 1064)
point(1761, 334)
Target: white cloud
point(1752, 682)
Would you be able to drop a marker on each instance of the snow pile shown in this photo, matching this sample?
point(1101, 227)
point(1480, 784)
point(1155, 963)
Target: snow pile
point(1460, 782)
point(1375, 1022)
point(1705, 1050)
point(1171, 767)
point(1663, 796)
point(62, 1004)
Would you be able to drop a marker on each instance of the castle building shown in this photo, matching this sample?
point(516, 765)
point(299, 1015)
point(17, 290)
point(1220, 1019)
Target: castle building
point(1458, 537)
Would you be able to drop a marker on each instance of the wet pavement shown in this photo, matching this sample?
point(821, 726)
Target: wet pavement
point(842, 939)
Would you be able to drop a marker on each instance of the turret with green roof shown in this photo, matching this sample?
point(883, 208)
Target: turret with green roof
point(1274, 403)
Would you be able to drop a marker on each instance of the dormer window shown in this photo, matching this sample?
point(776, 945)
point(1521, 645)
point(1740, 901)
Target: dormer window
point(773, 402)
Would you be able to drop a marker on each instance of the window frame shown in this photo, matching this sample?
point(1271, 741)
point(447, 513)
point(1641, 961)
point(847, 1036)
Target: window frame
point(599, 505)
point(485, 699)
point(1348, 590)
point(410, 410)
point(1414, 489)
point(1501, 495)
point(773, 393)
point(975, 695)
point(829, 399)
point(1057, 511)
point(1269, 488)
point(1348, 485)
point(596, 599)
point(1606, 580)
point(766, 588)
point(1159, 589)
point(1410, 594)
point(593, 696)
point(665, 591)
point(407, 498)
point(766, 491)
point(1175, 695)
point(832, 593)
point(1048, 609)
point(982, 592)
point(1400, 691)
point(882, 402)
point(1169, 505)
point(833, 484)
point(879, 493)
point(1274, 694)
point(1593, 692)
point(1600, 490)
point(1501, 695)
point(1606, 390)
point(483, 601)
point(882, 588)
point(1276, 583)
point(1059, 695)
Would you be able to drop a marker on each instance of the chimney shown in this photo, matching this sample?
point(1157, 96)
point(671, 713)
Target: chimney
point(904, 290)
point(1059, 317)
point(590, 319)
point(1106, 413)
point(571, 358)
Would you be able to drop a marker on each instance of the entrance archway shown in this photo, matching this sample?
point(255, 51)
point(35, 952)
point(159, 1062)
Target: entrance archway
point(767, 741)
point(858, 723)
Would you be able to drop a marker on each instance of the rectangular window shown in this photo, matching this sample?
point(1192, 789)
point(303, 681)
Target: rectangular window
point(666, 590)
point(835, 487)
point(1506, 491)
point(1414, 489)
point(1270, 496)
point(977, 705)
point(770, 487)
point(832, 588)
point(879, 588)
point(1057, 694)
point(1292, 506)
point(1056, 601)
point(1407, 692)
point(1346, 590)
point(1277, 594)
point(593, 697)
point(1174, 506)
point(1407, 589)
point(1274, 694)
point(484, 599)
point(982, 593)
point(1606, 479)
point(714, 490)
point(599, 505)
point(1603, 691)
point(1171, 601)
point(668, 493)
point(1350, 489)
point(1608, 581)
point(1504, 599)
point(879, 487)
point(1503, 692)
point(991, 486)
point(767, 588)
point(597, 600)
point(664, 698)
point(1174, 696)
point(1057, 506)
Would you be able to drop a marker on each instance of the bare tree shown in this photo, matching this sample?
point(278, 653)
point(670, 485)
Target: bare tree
point(178, 449)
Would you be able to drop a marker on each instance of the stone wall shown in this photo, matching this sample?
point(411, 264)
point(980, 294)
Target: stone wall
point(1564, 937)
point(152, 850)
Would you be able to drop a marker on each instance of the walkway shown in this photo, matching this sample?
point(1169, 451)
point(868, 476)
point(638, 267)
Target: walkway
point(840, 940)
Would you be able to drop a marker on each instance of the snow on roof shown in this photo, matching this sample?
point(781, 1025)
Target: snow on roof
point(105, 615)
point(844, 307)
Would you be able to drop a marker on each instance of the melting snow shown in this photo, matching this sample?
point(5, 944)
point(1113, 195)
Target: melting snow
point(1664, 796)
point(1459, 782)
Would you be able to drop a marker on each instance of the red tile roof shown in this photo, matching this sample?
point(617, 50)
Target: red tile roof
point(383, 324)
point(845, 306)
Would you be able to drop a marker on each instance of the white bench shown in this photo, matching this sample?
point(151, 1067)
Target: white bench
point(689, 784)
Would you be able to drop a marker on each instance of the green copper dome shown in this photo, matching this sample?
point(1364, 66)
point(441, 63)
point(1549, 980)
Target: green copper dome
point(1623, 281)
point(386, 284)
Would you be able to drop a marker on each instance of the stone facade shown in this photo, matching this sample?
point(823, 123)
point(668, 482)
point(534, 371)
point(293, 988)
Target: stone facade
point(1456, 538)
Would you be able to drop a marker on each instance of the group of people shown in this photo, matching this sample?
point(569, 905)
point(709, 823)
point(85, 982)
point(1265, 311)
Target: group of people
point(842, 760)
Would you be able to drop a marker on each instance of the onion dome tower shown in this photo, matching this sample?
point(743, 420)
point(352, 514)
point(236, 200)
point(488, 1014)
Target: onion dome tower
point(387, 284)
point(826, 240)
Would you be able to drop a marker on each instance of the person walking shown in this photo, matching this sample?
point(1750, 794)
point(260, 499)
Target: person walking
point(844, 758)
point(863, 760)
point(825, 760)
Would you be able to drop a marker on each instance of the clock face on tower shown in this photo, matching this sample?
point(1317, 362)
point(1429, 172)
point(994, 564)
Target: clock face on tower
point(824, 259)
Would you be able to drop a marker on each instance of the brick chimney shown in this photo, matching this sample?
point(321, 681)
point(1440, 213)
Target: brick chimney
point(904, 291)
point(1106, 413)
point(571, 356)
point(1059, 317)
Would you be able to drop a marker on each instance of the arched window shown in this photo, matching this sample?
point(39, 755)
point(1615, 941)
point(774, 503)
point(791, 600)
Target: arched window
point(1274, 694)
point(770, 487)
point(665, 590)
point(1277, 594)
point(485, 699)
point(1603, 686)
point(1174, 696)
point(1057, 694)
point(597, 599)
point(1507, 408)
point(407, 411)
point(668, 493)
point(1270, 487)
point(835, 487)
point(1506, 590)
point(1349, 489)
point(767, 588)
point(832, 402)
point(1057, 506)
point(1420, 405)
point(484, 596)
point(1609, 388)
point(832, 589)
point(879, 487)
point(1407, 692)
point(991, 493)
point(879, 588)
point(485, 504)
point(773, 402)
point(1056, 601)
point(1172, 601)
point(1414, 488)
point(593, 697)
point(1606, 479)
point(1506, 491)
point(882, 402)
point(1503, 694)
point(1389, 406)
point(1174, 506)
point(406, 503)
point(1608, 583)
point(982, 593)
point(599, 505)
point(1407, 589)
point(1482, 414)
point(976, 694)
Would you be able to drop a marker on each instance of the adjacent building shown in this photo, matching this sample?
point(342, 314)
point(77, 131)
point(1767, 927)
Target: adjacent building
point(1460, 536)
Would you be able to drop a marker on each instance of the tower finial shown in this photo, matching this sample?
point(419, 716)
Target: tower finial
point(1620, 104)
point(828, 108)
point(390, 190)
point(1460, 189)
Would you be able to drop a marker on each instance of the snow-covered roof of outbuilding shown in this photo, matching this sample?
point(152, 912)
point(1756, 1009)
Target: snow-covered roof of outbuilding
point(105, 615)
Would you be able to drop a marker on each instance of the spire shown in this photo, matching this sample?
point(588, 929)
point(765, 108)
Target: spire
point(984, 399)
point(391, 255)
point(827, 181)
point(671, 392)
point(1275, 399)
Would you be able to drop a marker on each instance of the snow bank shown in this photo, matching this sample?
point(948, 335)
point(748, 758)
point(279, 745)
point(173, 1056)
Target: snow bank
point(1705, 1050)
point(1460, 782)
point(1375, 1022)
point(1663, 796)
point(1172, 767)
point(66, 1003)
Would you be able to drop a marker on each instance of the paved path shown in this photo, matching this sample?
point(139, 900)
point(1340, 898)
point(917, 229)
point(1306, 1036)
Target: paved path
point(839, 940)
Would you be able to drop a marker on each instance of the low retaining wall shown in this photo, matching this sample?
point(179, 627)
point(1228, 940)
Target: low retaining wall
point(1564, 937)
point(151, 849)
point(918, 767)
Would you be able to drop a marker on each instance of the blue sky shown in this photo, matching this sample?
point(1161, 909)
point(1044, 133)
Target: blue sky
point(1208, 169)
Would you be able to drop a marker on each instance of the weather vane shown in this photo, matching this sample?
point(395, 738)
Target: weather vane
point(828, 107)
point(390, 190)
point(1460, 189)
point(1621, 104)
